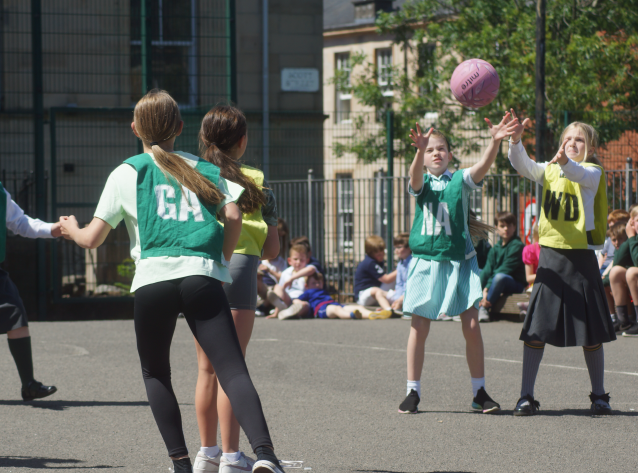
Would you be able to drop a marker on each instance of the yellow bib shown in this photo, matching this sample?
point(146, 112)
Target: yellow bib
point(253, 228)
point(562, 222)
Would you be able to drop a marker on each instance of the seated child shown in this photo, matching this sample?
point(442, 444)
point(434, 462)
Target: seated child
point(607, 253)
point(324, 307)
point(632, 273)
point(618, 281)
point(292, 282)
point(531, 254)
point(370, 280)
point(303, 240)
point(622, 258)
point(504, 272)
point(403, 253)
point(270, 271)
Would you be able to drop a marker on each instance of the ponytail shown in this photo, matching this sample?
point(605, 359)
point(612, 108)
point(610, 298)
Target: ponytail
point(479, 230)
point(157, 119)
point(222, 128)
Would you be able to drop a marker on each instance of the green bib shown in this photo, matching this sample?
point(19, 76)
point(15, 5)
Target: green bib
point(171, 219)
point(253, 228)
point(562, 222)
point(438, 232)
point(3, 223)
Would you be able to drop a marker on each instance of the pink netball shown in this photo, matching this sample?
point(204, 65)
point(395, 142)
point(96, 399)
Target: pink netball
point(475, 83)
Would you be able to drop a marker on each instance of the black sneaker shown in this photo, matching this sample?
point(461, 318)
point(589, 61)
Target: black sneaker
point(526, 406)
point(410, 403)
point(631, 331)
point(483, 402)
point(183, 465)
point(600, 404)
point(620, 327)
point(36, 390)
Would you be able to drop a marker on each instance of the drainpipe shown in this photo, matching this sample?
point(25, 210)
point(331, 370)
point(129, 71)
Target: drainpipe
point(265, 120)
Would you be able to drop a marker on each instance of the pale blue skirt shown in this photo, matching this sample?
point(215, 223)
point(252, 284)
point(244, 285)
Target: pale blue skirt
point(442, 287)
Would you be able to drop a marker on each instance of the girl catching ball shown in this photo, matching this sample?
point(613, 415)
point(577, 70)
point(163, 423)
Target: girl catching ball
point(568, 307)
point(443, 276)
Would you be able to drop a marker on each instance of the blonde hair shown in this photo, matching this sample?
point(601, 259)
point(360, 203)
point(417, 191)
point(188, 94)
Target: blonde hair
point(634, 212)
point(535, 236)
point(374, 244)
point(591, 140)
point(157, 119)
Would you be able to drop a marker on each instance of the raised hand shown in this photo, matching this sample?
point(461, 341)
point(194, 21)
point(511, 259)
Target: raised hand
point(503, 129)
point(419, 139)
point(561, 157)
point(518, 127)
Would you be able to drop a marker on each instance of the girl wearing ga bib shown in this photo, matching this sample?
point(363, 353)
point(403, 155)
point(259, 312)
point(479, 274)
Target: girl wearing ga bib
point(568, 306)
point(223, 139)
point(170, 202)
point(443, 276)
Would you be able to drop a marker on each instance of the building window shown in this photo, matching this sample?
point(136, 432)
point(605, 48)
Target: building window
point(173, 49)
point(384, 71)
point(345, 211)
point(343, 89)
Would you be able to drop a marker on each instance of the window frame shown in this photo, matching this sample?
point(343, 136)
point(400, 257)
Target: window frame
point(341, 59)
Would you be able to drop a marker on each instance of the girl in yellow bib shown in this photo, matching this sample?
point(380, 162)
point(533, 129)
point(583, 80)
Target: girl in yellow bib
point(568, 306)
point(223, 139)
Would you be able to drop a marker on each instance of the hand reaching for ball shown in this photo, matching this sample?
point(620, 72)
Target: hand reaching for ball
point(419, 139)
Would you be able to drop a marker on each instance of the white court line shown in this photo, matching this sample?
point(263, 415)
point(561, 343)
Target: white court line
point(399, 350)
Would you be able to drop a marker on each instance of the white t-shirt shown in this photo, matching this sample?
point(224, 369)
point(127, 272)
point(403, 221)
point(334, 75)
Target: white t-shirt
point(22, 224)
point(297, 287)
point(119, 202)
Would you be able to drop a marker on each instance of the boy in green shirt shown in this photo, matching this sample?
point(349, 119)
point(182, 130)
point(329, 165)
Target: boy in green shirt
point(504, 271)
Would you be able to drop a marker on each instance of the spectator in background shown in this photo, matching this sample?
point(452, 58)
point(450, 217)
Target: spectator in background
point(304, 240)
point(270, 270)
point(618, 236)
point(370, 281)
point(403, 253)
point(623, 261)
point(606, 255)
point(531, 253)
point(292, 284)
point(504, 272)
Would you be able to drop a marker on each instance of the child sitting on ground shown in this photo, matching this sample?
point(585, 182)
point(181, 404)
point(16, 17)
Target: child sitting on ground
point(370, 280)
point(403, 253)
point(269, 271)
point(317, 299)
point(504, 272)
point(625, 318)
point(606, 255)
point(292, 283)
point(622, 258)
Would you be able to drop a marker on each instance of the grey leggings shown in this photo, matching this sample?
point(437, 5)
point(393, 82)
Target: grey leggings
point(203, 302)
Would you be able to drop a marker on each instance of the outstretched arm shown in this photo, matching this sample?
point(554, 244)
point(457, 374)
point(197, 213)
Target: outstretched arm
point(518, 156)
point(90, 236)
point(419, 141)
point(498, 132)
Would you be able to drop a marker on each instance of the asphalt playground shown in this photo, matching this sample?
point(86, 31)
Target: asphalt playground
point(330, 390)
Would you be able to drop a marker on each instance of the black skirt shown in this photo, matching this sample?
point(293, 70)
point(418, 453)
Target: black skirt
point(12, 313)
point(568, 307)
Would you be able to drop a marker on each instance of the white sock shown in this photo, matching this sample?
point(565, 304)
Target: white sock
point(477, 383)
point(416, 385)
point(210, 452)
point(232, 457)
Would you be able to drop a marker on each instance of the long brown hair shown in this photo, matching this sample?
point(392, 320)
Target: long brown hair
point(222, 128)
point(157, 119)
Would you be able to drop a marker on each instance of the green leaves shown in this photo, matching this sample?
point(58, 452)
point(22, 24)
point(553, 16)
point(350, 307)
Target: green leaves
point(591, 62)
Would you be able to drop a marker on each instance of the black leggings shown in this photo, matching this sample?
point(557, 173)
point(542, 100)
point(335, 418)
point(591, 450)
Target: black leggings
point(204, 304)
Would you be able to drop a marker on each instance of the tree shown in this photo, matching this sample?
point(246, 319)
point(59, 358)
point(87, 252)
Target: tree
point(591, 64)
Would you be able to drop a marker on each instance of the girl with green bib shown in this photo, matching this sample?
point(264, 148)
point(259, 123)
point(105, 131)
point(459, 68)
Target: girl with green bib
point(443, 276)
point(568, 306)
point(223, 139)
point(170, 202)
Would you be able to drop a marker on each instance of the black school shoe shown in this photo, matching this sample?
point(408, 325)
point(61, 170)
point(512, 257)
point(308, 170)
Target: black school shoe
point(526, 406)
point(483, 402)
point(619, 327)
point(600, 408)
point(36, 390)
point(631, 331)
point(410, 403)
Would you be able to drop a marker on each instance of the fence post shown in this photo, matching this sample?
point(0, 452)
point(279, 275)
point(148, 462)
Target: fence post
point(146, 46)
point(310, 208)
point(389, 227)
point(38, 148)
point(628, 184)
point(231, 49)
